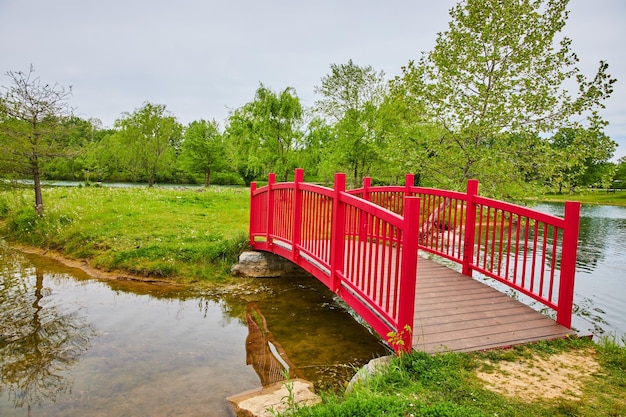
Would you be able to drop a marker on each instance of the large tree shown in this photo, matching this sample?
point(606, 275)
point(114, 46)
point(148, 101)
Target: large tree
point(501, 70)
point(203, 149)
point(350, 98)
point(265, 133)
point(147, 141)
point(30, 126)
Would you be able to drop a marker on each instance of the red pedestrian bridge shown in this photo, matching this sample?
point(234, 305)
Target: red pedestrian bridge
point(363, 244)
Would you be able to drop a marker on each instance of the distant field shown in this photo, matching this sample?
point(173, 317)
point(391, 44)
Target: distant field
point(616, 198)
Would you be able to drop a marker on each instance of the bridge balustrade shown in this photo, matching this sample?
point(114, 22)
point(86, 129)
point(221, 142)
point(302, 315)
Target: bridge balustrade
point(363, 243)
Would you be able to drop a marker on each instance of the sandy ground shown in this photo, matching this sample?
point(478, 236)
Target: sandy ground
point(556, 376)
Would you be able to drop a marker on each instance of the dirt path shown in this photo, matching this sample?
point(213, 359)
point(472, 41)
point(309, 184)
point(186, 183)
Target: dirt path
point(560, 375)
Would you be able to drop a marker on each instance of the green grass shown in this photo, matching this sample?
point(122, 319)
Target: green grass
point(446, 384)
point(176, 233)
point(617, 198)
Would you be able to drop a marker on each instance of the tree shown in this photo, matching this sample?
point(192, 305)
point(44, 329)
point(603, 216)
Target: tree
point(147, 141)
point(582, 157)
point(266, 133)
point(203, 149)
point(410, 140)
point(501, 70)
point(75, 138)
point(30, 126)
point(620, 173)
point(350, 98)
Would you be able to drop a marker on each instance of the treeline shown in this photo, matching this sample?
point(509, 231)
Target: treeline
point(490, 102)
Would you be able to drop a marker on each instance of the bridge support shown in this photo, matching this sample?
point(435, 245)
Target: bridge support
point(255, 264)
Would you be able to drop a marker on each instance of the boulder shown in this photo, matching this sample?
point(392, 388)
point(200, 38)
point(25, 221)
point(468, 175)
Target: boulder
point(373, 367)
point(276, 398)
point(262, 265)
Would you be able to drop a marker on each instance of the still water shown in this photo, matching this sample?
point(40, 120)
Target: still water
point(74, 346)
point(600, 287)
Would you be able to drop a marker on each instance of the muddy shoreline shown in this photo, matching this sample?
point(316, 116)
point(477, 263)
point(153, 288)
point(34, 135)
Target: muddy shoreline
point(84, 266)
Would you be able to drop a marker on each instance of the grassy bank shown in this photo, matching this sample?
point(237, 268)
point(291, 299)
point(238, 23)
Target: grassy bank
point(560, 378)
point(617, 198)
point(185, 234)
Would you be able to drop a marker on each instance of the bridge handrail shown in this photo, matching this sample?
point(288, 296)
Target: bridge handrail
point(527, 250)
point(474, 231)
point(316, 227)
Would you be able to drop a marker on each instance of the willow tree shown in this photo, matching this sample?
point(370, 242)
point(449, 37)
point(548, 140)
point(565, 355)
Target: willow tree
point(265, 133)
point(501, 70)
point(30, 124)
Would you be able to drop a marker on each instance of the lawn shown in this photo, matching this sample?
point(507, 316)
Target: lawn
point(614, 197)
point(188, 234)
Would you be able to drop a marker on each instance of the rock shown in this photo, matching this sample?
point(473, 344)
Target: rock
point(262, 265)
point(374, 366)
point(275, 398)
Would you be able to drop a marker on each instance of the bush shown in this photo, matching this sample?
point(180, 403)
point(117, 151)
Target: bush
point(226, 178)
point(4, 207)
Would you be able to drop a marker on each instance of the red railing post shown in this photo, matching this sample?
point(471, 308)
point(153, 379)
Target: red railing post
point(297, 214)
point(408, 272)
point(271, 179)
point(367, 183)
point(253, 210)
point(470, 228)
point(568, 264)
point(364, 229)
point(409, 182)
point(337, 234)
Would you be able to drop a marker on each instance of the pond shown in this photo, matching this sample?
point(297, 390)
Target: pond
point(74, 346)
point(600, 288)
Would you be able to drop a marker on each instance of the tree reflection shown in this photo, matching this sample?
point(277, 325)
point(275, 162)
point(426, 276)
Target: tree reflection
point(39, 341)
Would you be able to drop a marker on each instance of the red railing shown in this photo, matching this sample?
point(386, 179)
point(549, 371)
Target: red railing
point(364, 253)
point(363, 243)
point(527, 250)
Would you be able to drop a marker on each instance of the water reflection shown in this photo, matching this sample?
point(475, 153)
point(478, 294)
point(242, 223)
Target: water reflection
point(39, 341)
point(73, 346)
point(263, 352)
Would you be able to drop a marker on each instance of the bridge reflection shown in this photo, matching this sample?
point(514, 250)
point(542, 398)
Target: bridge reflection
point(263, 352)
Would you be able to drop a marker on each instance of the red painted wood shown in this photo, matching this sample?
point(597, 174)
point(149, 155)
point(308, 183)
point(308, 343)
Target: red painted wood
point(408, 275)
point(568, 263)
point(365, 250)
point(337, 236)
point(470, 228)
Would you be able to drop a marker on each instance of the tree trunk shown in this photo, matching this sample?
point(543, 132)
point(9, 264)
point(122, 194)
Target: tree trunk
point(207, 178)
point(37, 185)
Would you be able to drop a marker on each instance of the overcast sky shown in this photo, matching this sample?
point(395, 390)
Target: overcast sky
point(202, 58)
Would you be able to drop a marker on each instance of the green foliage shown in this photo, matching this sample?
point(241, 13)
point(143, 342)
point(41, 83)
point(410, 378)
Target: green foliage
point(146, 143)
point(421, 384)
point(581, 157)
point(31, 127)
point(388, 406)
point(350, 97)
point(265, 134)
point(203, 149)
point(495, 76)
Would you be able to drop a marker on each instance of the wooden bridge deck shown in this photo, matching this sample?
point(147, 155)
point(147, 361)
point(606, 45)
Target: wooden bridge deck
point(458, 313)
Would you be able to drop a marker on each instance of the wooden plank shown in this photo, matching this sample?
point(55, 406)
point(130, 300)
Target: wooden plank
point(455, 312)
